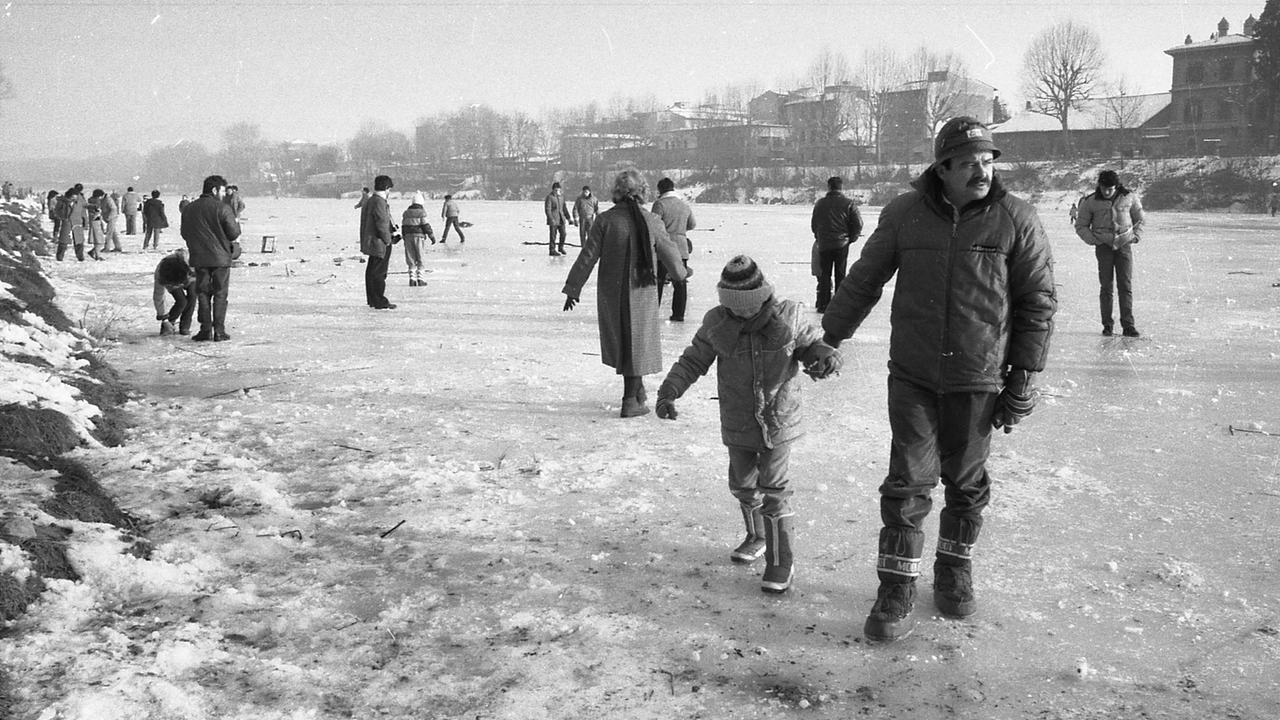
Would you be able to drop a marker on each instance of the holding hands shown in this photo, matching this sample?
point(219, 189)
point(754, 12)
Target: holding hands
point(821, 361)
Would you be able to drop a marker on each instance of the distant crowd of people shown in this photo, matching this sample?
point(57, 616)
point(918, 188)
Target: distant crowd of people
point(80, 222)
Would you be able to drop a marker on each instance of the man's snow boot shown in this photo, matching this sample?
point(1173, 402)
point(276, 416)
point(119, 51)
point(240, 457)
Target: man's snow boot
point(953, 565)
point(752, 547)
point(778, 570)
point(166, 327)
point(898, 567)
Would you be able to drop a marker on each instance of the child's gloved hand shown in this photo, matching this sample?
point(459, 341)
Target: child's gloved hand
point(666, 408)
point(821, 361)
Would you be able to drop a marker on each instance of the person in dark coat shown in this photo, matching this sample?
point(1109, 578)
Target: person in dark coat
point(173, 275)
point(836, 224)
point(377, 235)
point(153, 221)
point(553, 206)
point(211, 232)
point(972, 315)
point(624, 241)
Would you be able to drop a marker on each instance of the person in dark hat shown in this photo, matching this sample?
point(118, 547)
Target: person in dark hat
point(1110, 219)
point(758, 344)
point(377, 235)
point(557, 217)
point(972, 315)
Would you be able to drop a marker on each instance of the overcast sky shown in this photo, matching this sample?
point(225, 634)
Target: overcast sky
point(91, 77)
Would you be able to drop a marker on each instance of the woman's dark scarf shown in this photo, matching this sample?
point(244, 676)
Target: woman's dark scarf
point(643, 247)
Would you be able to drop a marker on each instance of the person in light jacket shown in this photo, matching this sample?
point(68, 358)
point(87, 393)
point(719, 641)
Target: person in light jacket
point(416, 230)
point(627, 242)
point(449, 211)
point(677, 216)
point(1110, 219)
point(585, 209)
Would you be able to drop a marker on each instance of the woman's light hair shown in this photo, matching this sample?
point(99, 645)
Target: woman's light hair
point(629, 183)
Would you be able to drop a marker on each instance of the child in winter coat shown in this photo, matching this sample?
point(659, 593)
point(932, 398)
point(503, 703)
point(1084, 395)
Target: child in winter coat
point(758, 344)
point(416, 230)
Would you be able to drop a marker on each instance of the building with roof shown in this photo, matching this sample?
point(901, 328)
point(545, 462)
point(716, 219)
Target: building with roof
point(1217, 105)
point(1126, 125)
point(913, 110)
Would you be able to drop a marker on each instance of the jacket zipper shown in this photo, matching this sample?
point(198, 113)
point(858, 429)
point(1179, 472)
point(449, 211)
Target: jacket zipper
point(946, 299)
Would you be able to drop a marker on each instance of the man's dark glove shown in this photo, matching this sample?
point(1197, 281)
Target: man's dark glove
point(1016, 400)
point(569, 302)
point(821, 361)
point(162, 316)
point(666, 407)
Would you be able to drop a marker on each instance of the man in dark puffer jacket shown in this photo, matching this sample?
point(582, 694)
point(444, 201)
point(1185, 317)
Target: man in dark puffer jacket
point(971, 319)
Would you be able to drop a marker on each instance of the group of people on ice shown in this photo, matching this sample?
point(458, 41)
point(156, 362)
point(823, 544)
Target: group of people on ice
point(972, 316)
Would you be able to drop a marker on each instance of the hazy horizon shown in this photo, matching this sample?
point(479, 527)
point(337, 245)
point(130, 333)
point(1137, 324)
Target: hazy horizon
point(94, 78)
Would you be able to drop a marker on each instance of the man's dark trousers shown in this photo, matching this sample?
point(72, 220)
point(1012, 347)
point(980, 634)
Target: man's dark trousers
point(831, 262)
point(184, 306)
point(375, 280)
point(212, 284)
point(1118, 264)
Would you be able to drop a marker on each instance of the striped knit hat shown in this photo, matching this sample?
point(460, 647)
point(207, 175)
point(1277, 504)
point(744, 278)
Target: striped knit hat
point(742, 287)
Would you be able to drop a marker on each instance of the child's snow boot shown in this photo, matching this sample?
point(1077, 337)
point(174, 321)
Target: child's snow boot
point(778, 569)
point(752, 547)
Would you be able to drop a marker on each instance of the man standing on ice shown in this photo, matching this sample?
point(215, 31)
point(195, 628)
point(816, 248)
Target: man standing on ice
point(836, 224)
point(971, 319)
point(209, 226)
point(131, 205)
point(376, 241)
point(557, 215)
point(1110, 219)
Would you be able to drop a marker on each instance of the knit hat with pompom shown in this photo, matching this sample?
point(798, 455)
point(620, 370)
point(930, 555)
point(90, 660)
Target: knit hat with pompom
point(742, 287)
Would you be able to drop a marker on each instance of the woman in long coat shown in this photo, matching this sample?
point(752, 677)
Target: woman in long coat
point(624, 240)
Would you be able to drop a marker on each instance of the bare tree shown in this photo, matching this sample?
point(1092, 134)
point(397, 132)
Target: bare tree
point(946, 82)
point(243, 150)
point(375, 145)
point(831, 116)
point(1061, 70)
point(1121, 110)
point(881, 70)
